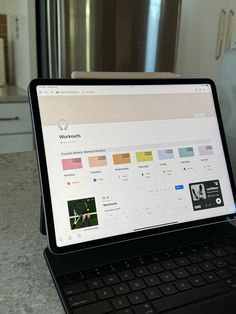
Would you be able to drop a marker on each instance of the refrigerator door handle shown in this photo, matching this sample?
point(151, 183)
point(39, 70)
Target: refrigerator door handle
point(229, 35)
point(220, 34)
point(61, 33)
point(51, 37)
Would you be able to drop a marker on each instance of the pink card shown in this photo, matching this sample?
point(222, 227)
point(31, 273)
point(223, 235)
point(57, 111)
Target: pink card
point(72, 163)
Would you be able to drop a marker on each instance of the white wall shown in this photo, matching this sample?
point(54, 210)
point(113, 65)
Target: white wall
point(22, 41)
point(3, 6)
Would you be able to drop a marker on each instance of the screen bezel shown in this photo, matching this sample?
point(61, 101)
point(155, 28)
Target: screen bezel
point(43, 173)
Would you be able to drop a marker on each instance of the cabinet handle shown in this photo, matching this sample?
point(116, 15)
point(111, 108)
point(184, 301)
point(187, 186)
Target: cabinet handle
point(9, 118)
point(220, 35)
point(229, 36)
point(51, 37)
point(61, 32)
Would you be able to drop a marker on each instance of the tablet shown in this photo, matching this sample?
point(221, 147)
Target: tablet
point(124, 159)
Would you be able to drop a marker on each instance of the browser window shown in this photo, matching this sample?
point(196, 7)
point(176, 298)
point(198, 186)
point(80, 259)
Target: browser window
point(123, 159)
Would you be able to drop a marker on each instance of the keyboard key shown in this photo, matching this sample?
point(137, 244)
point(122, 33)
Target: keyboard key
point(219, 252)
point(105, 293)
point(163, 256)
point(197, 281)
point(196, 249)
point(92, 273)
point(67, 279)
point(180, 273)
point(79, 276)
point(152, 280)
point(112, 268)
point(194, 269)
point(98, 308)
point(189, 296)
point(141, 261)
point(231, 282)
point(136, 262)
point(182, 261)
point(137, 284)
point(207, 246)
point(125, 311)
point(168, 289)
point(155, 268)
point(230, 259)
point(111, 279)
point(72, 278)
point(167, 276)
point(183, 285)
point(232, 269)
point(81, 299)
point(210, 277)
point(229, 242)
point(195, 258)
point(127, 264)
point(216, 244)
point(207, 256)
point(145, 308)
point(153, 293)
point(100, 271)
point(95, 283)
point(126, 275)
point(151, 259)
point(230, 249)
point(219, 262)
point(224, 273)
point(120, 266)
point(120, 302)
point(180, 252)
point(121, 288)
point(207, 266)
point(137, 297)
point(169, 264)
point(141, 271)
point(124, 265)
point(74, 288)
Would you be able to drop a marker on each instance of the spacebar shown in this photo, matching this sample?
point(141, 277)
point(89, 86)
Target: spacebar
point(190, 296)
point(98, 308)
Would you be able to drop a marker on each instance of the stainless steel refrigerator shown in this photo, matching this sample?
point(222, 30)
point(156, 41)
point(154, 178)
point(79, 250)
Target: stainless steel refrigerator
point(106, 35)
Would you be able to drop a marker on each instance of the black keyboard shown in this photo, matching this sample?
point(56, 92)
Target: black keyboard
point(155, 283)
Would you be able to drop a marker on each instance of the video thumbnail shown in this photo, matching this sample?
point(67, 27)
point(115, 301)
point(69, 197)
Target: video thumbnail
point(82, 213)
point(206, 194)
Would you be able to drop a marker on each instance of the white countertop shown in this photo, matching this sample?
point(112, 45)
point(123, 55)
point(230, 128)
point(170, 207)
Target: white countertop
point(12, 93)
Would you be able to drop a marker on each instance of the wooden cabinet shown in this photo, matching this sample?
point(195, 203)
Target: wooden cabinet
point(207, 30)
point(15, 128)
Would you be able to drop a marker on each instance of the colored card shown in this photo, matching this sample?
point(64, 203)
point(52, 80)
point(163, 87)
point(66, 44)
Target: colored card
point(97, 161)
point(186, 152)
point(119, 159)
point(144, 156)
point(165, 154)
point(72, 163)
point(205, 150)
